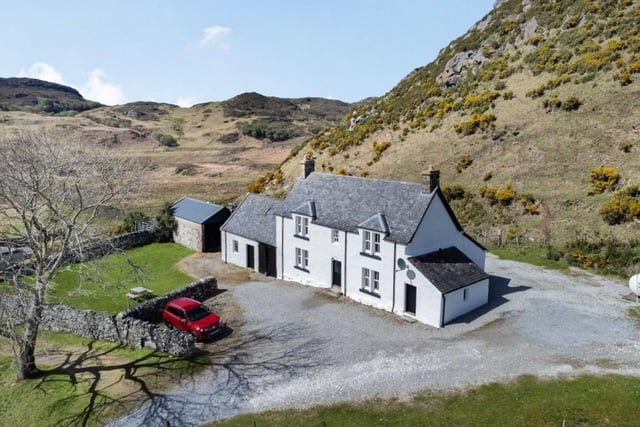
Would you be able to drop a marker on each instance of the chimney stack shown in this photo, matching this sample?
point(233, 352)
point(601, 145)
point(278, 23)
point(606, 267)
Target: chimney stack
point(430, 179)
point(308, 166)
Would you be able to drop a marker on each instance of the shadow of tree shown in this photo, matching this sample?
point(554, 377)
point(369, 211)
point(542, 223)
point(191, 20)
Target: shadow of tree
point(498, 289)
point(211, 386)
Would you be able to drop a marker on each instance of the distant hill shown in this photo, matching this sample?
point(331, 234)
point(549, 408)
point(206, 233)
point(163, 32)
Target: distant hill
point(212, 150)
point(533, 119)
point(39, 96)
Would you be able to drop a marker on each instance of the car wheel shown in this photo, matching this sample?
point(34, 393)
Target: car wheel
point(169, 325)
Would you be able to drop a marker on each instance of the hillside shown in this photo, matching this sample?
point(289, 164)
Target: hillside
point(38, 96)
point(211, 151)
point(517, 114)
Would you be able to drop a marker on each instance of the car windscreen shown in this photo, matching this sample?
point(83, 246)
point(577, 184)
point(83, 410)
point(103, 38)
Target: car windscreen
point(197, 313)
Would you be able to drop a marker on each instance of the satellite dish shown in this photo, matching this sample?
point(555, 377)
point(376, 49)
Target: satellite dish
point(411, 274)
point(634, 285)
point(401, 264)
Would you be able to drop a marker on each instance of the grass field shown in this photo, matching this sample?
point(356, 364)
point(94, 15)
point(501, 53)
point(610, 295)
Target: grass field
point(85, 382)
point(585, 401)
point(102, 285)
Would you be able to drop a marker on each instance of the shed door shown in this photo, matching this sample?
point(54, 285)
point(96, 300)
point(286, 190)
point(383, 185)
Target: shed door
point(409, 299)
point(250, 257)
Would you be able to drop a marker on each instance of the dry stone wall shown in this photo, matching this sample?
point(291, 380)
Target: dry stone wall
point(136, 327)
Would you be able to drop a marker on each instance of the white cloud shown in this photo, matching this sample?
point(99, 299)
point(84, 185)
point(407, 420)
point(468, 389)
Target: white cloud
point(98, 88)
point(42, 71)
point(185, 101)
point(214, 36)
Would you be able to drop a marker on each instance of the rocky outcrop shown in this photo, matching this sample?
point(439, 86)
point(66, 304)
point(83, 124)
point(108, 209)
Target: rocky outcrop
point(457, 68)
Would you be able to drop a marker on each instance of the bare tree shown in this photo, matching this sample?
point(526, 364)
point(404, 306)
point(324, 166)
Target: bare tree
point(53, 188)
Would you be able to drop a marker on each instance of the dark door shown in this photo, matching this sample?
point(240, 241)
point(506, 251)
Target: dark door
point(271, 261)
point(250, 257)
point(211, 238)
point(336, 273)
point(267, 260)
point(409, 298)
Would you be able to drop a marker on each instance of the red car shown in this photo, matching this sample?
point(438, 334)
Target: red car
point(193, 317)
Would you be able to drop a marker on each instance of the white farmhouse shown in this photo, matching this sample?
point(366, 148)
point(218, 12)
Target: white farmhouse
point(388, 244)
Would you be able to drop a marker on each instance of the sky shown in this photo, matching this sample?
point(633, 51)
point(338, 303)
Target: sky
point(191, 51)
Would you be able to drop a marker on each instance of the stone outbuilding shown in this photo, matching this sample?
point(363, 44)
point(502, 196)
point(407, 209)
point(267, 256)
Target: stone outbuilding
point(198, 224)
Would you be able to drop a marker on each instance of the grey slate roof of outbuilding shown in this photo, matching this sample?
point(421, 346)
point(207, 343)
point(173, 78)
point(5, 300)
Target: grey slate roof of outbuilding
point(347, 203)
point(254, 219)
point(448, 269)
point(198, 211)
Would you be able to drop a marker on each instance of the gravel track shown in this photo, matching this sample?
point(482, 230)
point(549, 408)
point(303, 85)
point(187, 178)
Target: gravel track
point(297, 347)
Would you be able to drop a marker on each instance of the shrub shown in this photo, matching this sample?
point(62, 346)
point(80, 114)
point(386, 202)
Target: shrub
point(506, 194)
point(625, 146)
point(487, 176)
point(571, 103)
point(229, 138)
point(603, 178)
point(165, 140)
point(185, 169)
point(463, 163)
point(166, 224)
point(261, 129)
point(341, 171)
point(623, 207)
point(477, 121)
point(379, 148)
point(455, 192)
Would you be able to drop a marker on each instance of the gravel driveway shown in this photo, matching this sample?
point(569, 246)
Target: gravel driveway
point(294, 346)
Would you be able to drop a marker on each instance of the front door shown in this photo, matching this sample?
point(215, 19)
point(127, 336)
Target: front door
point(250, 257)
point(409, 299)
point(336, 273)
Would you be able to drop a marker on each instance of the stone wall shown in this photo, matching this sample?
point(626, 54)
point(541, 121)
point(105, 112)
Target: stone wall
point(189, 234)
point(136, 327)
point(151, 310)
point(99, 248)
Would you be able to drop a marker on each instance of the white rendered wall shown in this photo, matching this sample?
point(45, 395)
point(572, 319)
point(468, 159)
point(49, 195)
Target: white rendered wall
point(239, 258)
point(456, 306)
point(438, 231)
point(320, 248)
point(384, 264)
point(428, 298)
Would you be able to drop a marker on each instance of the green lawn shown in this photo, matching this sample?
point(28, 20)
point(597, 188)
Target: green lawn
point(586, 401)
point(528, 254)
point(102, 285)
point(85, 382)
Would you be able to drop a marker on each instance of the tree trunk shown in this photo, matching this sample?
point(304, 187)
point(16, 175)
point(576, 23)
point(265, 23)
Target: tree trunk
point(26, 352)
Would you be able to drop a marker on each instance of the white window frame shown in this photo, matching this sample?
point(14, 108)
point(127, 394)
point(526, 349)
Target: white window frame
point(235, 246)
point(370, 242)
point(302, 258)
point(335, 236)
point(375, 282)
point(371, 281)
point(366, 279)
point(302, 226)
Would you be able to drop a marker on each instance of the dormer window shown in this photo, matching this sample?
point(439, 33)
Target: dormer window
point(370, 242)
point(302, 226)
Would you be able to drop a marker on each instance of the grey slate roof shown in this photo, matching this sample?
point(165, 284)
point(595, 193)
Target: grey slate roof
point(254, 219)
point(347, 202)
point(448, 269)
point(198, 211)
